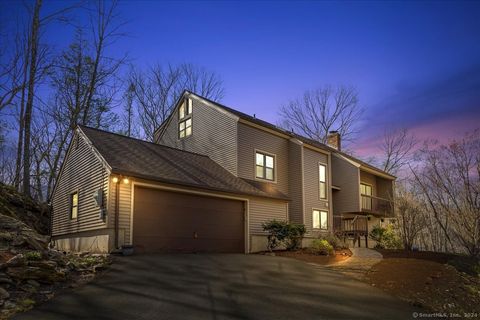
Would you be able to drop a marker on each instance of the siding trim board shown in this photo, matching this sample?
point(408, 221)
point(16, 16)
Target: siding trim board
point(201, 193)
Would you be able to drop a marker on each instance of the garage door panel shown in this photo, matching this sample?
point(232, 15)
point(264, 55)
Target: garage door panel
point(171, 221)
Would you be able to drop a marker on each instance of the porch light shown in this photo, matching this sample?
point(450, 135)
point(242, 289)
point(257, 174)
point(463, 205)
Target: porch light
point(115, 179)
point(126, 181)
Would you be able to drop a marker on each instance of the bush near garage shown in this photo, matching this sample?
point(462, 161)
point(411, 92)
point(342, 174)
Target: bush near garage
point(283, 233)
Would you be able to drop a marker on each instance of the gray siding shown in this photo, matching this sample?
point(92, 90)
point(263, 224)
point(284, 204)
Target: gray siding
point(262, 210)
point(311, 160)
point(345, 176)
point(85, 173)
point(295, 177)
point(251, 139)
point(214, 134)
point(124, 208)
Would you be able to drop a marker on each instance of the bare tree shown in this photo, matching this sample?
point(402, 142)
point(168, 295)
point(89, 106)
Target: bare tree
point(33, 56)
point(397, 148)
point(450, 182)
point(157, 90)
point(320, 111)
point(410, 214)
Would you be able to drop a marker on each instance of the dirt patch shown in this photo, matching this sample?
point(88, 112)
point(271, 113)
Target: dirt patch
point(432, 285)
point(305, 255)
point(461, 263)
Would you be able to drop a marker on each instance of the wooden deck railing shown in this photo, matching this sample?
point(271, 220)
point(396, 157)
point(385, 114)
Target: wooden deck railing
point(352, 227)
point(377, 205)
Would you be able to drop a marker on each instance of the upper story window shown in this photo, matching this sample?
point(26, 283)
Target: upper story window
point(366, 192)
point(185, 109)
point(320, 219)
point(184, 115)
point(185, 128)
point(74, 205)
point(265, 166)
point(322, 180)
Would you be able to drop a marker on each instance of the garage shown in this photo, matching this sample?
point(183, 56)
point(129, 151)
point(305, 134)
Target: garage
point(166, 221)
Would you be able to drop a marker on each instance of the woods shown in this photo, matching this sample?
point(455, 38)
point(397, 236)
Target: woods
point(46, 90)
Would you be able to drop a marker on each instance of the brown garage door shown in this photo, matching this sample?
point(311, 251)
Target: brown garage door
point(165, 221)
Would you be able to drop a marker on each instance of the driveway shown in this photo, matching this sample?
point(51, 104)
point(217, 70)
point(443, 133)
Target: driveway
point(221, 287)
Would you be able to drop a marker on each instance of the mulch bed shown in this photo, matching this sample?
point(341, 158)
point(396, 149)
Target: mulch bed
point(305, 255)
point(428, 280)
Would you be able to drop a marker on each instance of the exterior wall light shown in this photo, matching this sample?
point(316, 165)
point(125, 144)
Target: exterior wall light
point(126, 181)
point(115, 179)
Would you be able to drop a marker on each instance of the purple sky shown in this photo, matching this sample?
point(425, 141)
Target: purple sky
point(415, 64)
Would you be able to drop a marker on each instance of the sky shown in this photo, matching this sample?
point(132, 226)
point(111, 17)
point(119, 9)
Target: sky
point(416, 65)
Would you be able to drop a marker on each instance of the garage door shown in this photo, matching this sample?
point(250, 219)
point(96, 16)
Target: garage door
point(165, 221)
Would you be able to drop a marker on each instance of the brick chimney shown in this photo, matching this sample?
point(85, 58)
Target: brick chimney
point(334, 140)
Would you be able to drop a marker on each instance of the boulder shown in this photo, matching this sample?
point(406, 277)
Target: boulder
point(4, 294)
point(17, 261)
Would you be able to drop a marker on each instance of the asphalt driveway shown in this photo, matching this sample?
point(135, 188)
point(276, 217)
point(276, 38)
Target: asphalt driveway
point(221, 287)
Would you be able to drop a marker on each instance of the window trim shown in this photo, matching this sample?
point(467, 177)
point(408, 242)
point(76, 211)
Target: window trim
point(320, 219)
point(264, 153)
point(320, 163)
point(71, 206)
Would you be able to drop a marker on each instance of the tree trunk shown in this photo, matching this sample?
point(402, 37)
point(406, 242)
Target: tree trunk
point(31, 87)
point(21, 121)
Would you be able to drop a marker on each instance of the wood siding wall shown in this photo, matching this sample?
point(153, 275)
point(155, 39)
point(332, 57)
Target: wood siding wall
point(311, 160)
point(124, 208)
point(85, 173)
point(262, 210)
point(295, 177)
point(345, 176)
point(251, 139)
point(384, 188)
point(214, 134)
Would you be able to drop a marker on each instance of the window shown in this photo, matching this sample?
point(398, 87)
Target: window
point(74, 205)
point(320, 219)
point(322, 177)
point(185, 128)
point(185, 109)
point(366, 192)
point(265, 166)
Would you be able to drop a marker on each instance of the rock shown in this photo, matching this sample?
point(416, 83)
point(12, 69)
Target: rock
point(17, 261)
point(36, 273)
point(4, 294)
point(44, 264)
point(9, 305)
point(4, 279)
point(33, 283)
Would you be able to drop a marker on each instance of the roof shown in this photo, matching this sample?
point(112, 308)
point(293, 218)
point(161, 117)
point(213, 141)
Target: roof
point(303, 139)
point(151, 161)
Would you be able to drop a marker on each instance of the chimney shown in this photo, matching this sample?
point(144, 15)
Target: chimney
point(334, 140)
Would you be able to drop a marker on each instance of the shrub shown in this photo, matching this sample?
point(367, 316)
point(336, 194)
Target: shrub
point(335, 241)
point(33, 255)
point(295, 233)
point(281, 232)
point(386, 238)
point(322, 247)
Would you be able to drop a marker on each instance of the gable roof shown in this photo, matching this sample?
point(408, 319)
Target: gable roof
point(305, 140)
point(151, 161)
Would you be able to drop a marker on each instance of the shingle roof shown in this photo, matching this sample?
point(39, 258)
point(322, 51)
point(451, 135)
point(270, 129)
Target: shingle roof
point(306, 140)
point(142, 159)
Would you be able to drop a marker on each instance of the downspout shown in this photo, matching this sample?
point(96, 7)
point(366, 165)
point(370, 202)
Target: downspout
point(117, 213)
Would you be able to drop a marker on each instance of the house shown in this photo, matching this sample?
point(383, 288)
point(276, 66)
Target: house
point(211, 178)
